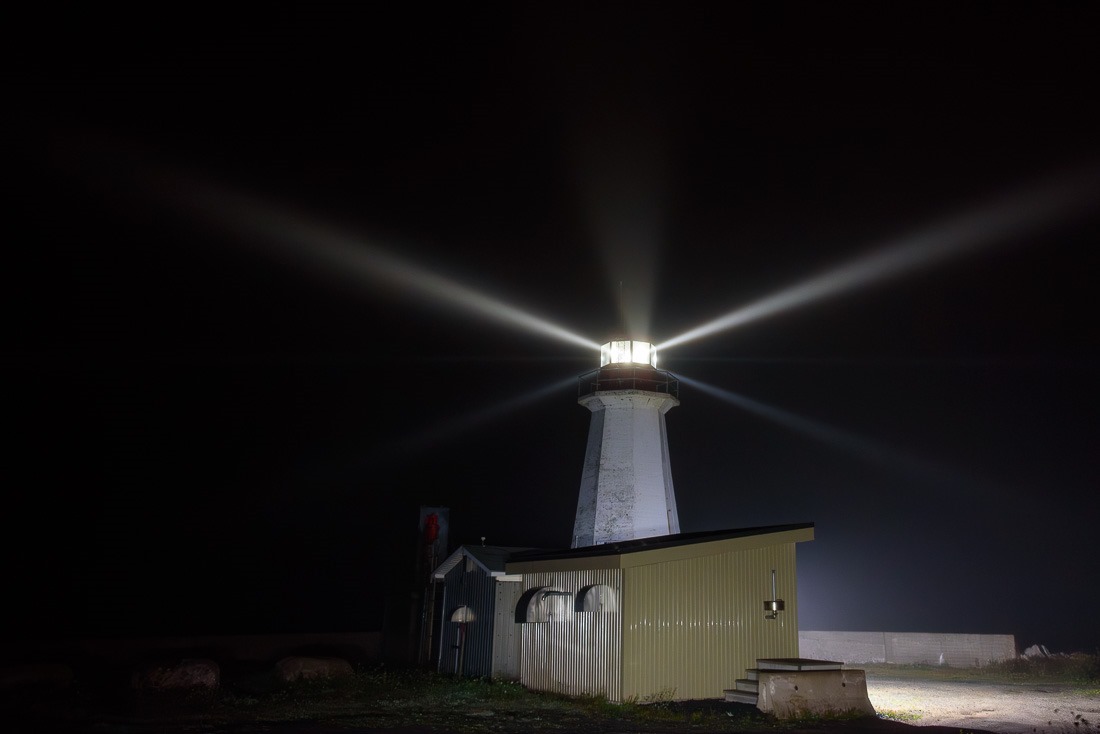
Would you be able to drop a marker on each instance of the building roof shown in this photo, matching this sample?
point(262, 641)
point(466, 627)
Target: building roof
point(663, 547)
point(491, 558)
point(499, 560)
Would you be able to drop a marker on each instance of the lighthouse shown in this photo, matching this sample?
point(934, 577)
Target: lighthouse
point(626, 484)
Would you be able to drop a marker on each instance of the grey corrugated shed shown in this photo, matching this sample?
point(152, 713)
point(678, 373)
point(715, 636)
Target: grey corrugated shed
point(483, 646)
point(491, 558)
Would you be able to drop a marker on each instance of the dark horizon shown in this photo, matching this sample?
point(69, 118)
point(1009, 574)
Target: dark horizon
point(245, 343)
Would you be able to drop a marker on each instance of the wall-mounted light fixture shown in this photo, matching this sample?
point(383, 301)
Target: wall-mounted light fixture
point(773, 606)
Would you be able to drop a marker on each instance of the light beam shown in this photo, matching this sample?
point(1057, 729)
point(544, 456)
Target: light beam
point(458, 425)
point(620, 161)
point(1013, 215)
point(307, 241)
point(454, 427)
point(850, 443)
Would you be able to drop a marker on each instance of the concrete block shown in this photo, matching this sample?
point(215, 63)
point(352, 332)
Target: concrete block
point(798, 694)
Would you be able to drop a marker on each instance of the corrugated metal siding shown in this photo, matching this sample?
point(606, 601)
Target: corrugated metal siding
point(579, 655)
point(506, 633)
point(476, 590)
point(691, 627)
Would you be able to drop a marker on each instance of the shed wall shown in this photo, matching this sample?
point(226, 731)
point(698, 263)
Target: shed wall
point(470, 653)
point(580, 653)
point(506, 633)
point(692, 627)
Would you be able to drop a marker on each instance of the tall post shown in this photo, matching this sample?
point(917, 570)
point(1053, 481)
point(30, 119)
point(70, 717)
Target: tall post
point(431, 546)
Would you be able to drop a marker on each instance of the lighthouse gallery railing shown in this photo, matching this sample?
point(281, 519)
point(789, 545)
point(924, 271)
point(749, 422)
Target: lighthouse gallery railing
point(628, 378)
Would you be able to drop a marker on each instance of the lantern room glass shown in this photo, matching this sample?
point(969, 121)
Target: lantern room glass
point(628, 352)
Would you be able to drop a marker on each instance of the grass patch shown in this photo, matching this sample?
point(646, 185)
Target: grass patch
point(412, 697)
point(1078, 669)
point(393, 698)
point(382, 697)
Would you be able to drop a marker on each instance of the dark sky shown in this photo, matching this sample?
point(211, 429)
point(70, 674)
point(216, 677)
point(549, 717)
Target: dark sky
point(208, 432)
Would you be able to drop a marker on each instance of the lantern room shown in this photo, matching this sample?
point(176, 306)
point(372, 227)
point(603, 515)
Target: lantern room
point(628, 351)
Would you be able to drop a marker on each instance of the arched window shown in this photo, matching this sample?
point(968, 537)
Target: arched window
point(597, 598)
point(544, 604)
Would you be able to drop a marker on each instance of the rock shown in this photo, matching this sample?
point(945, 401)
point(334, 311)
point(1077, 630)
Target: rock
point(50, 675)
point(1036, 651)
point(296, 668)
point(187, 673)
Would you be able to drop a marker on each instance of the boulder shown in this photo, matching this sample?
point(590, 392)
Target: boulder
point(1036, 651)
point(47, 675)
point(299, 668)
point(186, 673)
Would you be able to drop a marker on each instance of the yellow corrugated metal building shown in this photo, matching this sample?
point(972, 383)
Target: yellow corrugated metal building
point(675, 617)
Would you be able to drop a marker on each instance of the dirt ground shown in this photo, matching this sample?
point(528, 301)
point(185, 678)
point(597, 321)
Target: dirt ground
point(911, 706)
point(1002, 708)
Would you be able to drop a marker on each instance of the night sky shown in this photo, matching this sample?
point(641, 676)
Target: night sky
point(212, 426)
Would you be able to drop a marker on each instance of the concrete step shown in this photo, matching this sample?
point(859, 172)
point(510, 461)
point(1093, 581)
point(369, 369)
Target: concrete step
point(752, 674)
point(797, 664)
point(735, 696)
point(746, 685)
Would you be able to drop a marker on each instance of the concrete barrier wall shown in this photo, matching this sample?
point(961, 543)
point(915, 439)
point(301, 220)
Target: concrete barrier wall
point(932, 648)
point(845, 647)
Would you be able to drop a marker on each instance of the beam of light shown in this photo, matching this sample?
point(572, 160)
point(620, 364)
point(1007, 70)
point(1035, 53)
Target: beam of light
point(621, 167)
point(850, 443)
point(456, 426)
point(459, 425)
point(410, 446)
point(306, 241)
point(934, 362)
point(1014, 215)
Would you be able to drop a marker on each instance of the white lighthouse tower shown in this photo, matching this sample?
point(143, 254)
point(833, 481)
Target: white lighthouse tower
point(626, 485)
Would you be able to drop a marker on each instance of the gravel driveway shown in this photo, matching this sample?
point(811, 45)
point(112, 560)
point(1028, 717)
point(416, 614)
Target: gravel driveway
point(998, 707)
